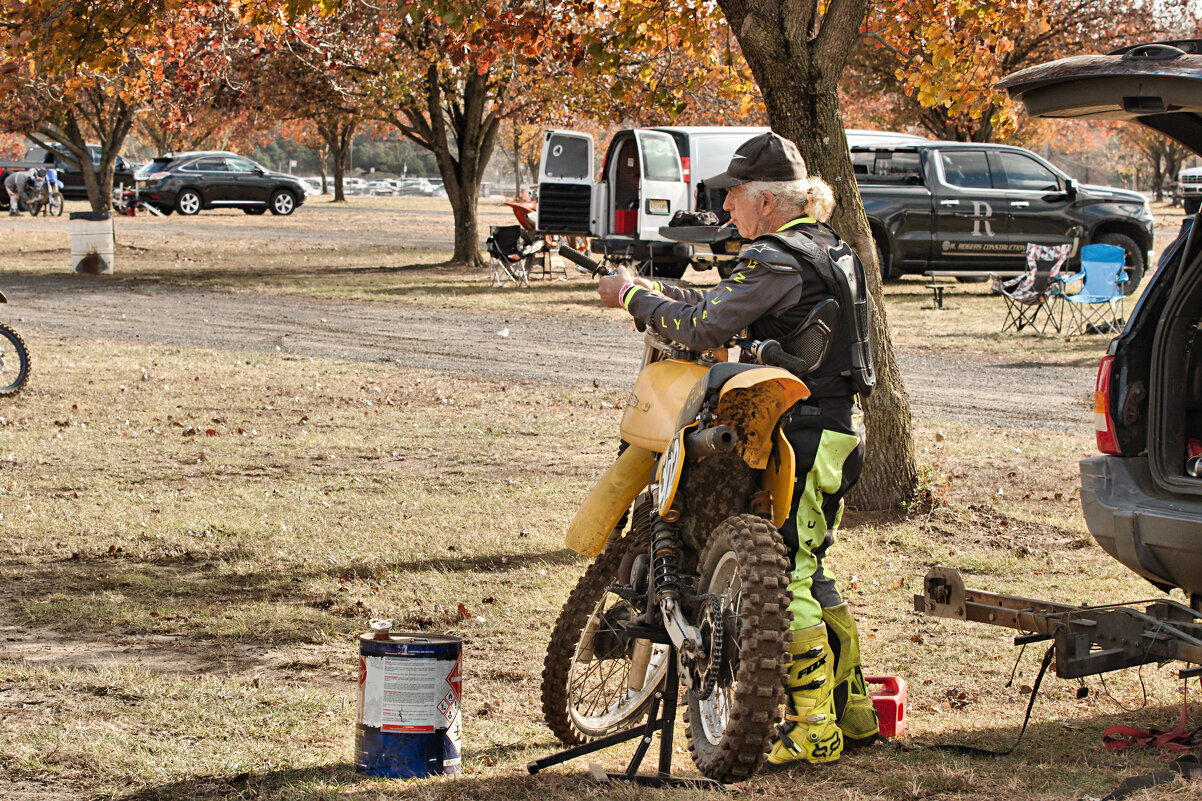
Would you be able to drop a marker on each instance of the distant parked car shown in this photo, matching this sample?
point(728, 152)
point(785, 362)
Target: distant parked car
point(190, 182)
point(312, 186)
point(382, 186)
point(416, 186)
point(71, 178)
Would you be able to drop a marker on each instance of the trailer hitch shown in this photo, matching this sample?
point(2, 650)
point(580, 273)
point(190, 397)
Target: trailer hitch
point(1088, 639)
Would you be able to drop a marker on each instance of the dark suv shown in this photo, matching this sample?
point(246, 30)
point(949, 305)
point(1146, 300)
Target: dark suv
point(189, 182)
point(1141, 502)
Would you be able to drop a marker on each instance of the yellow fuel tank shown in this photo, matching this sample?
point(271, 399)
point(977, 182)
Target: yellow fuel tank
point(659, 393)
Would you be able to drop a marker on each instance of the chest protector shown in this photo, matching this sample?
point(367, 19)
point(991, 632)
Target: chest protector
point(829, 268)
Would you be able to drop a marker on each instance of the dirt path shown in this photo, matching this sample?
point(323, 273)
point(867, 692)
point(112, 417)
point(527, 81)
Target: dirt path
point(1017, 394)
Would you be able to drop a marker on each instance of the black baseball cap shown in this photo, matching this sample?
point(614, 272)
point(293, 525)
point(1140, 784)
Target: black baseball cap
point(766, 157)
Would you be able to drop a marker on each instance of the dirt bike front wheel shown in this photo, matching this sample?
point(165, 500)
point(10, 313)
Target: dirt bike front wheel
point(744, 566)
point(594, 683)
point(14, 362)
point(55, 207)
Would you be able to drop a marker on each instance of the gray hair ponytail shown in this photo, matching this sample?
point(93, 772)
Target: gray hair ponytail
point(812, 196)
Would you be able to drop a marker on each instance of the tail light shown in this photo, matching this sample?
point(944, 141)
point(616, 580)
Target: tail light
point(1103, 423)
point(684, 168)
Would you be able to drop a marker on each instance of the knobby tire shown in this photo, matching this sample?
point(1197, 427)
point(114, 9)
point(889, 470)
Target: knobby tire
point(762, 622)
point(24, 366)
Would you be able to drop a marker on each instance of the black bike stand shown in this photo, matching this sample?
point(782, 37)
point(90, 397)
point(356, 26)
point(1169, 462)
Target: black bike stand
point(668, 696)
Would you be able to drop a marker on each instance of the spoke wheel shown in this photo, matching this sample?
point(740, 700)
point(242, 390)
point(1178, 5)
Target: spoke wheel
point(744, 566)
point(589, 671)
point(14, 362)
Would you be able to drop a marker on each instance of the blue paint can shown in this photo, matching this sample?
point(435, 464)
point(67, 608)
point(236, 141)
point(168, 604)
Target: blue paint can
point(409, 720)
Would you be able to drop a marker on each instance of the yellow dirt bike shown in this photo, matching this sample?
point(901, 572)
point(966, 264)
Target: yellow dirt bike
point(696, 587)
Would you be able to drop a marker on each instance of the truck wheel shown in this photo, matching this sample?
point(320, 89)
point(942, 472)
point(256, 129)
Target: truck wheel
point(887, 273)
point(1192, 204)
point(668, 269)
point(1135, 259)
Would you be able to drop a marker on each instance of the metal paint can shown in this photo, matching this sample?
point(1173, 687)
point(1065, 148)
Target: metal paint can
point(1193, 458)
point(409, 721)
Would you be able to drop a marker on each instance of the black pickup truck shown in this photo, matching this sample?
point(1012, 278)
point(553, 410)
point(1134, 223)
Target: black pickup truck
point(965, 207)
point(72, 178)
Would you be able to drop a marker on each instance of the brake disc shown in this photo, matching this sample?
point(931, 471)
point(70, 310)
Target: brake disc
point(701, 672)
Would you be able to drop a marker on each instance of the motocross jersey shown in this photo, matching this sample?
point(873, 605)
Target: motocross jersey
point(771, 290)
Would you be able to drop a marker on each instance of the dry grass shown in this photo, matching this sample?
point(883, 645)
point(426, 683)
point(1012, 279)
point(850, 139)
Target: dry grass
point(193, 539)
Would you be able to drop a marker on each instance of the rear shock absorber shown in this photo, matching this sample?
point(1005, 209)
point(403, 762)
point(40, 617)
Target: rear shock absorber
point(665, 559)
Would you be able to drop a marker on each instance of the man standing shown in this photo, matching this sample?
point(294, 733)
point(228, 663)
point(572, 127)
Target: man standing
point(795, 263)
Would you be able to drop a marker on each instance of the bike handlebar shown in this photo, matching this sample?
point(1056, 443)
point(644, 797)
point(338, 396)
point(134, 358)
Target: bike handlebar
point(582, 261)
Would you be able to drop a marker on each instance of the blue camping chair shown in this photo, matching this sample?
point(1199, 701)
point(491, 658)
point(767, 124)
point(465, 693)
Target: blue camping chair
point(1098, 307)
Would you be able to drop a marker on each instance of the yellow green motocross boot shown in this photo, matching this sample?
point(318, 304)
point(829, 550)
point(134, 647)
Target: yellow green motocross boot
point(854, 710)
point(809, 733)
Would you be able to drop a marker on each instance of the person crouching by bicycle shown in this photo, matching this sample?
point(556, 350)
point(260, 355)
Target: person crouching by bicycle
point(794, 262)
point(21, 187)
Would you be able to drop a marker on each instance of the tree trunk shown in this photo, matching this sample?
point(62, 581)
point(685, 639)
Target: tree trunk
point(517, 163)
point(322, 151)
point(338, 135)
point(797, 60)
point(107, 124)
point(462, 148)
point(339, 175)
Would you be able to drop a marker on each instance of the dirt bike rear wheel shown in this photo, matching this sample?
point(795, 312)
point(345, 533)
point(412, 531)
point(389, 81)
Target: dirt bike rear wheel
point(14, 362)
point(744, 565)
point(584, 696)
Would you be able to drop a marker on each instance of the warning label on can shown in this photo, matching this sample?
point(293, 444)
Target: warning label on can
point(402, 694)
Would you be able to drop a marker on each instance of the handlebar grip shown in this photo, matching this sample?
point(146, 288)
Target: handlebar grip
point(575, 256)
point(770, 352)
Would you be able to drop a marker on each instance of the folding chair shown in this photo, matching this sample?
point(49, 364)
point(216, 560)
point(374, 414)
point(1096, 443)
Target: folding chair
point(1031, 298)
point(510, 254)
point(1098, 307)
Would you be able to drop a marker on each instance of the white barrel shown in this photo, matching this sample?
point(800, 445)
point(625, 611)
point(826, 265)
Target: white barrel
point(91, 242)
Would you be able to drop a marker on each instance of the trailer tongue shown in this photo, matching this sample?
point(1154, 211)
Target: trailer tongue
point(1088, 640)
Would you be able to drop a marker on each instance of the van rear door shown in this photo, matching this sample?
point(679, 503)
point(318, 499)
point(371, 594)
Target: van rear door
point(565, 185)
point(662, 190)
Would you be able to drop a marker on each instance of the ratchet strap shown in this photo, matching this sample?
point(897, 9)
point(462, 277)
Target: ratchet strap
point(1116, 738)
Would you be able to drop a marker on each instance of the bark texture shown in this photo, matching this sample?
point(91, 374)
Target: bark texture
point(797, 56)
point(337, 132)
point(456, 117)
point(94, 117)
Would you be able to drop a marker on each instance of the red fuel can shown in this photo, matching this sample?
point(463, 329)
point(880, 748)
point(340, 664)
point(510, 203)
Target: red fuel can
point(890, 703)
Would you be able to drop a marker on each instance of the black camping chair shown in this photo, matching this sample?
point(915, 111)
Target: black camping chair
point(511, 254)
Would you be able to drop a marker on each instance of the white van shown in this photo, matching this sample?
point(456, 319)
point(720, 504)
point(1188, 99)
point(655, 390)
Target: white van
point(648, 175)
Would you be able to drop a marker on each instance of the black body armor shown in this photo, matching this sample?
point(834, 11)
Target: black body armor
point(829, 268)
